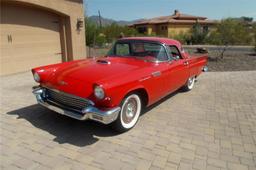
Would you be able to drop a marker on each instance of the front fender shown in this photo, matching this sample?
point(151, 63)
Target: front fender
point(138, 87)
point(117, 94)
point(46, 71)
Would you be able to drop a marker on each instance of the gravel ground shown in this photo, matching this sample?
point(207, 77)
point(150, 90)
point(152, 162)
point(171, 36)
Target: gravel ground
point(232, 61)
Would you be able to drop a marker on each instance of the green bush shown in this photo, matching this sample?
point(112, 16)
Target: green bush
point(91, 32)
point(198, 34)
point(183, 37)
point(96, 36)
point(100, 40)
point(230, 32)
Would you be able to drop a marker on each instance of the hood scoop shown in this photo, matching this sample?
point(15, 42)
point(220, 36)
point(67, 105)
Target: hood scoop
point(103, 61)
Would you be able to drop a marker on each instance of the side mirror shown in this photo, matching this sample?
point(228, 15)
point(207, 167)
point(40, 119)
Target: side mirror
point(177, 57)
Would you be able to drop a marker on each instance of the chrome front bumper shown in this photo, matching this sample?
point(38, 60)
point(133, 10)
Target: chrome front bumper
point(89, 112)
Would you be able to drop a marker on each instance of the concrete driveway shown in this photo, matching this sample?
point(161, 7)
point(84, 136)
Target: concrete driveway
point(211, 127)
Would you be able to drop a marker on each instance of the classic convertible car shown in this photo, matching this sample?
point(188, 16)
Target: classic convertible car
point(136, 72)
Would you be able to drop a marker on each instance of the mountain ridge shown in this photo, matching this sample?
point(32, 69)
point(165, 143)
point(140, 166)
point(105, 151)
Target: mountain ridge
point(108, 21)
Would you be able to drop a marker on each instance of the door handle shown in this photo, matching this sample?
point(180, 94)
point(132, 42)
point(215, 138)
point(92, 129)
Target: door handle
point(186, 63)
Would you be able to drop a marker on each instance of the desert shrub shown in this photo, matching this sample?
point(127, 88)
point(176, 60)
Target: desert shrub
point(229, 32)
point(98, 36)
point(100, 40)
point(91, 32)
point(198, 34)
point(183, 37)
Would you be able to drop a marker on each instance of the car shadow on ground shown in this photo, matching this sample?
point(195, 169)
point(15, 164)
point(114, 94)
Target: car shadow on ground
point(65, 129)
point(68, 130)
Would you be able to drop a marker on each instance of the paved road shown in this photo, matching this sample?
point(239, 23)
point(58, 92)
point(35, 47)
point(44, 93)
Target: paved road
point(211, 127)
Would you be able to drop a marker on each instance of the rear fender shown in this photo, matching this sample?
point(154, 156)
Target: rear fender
point(196, 65)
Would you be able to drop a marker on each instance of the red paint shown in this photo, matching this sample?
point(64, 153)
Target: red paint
point(122, 75)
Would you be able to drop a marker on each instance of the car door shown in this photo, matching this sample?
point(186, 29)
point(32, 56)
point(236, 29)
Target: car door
point(156, 81)
point(178, 69)
point(158, 74)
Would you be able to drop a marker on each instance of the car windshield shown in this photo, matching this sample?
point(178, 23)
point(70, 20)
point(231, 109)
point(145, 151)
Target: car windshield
point(148, 51)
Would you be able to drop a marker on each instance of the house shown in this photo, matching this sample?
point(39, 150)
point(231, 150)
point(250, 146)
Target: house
point(169, 26)
point(40, 32)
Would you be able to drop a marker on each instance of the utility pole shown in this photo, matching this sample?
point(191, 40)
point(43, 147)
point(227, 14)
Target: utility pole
point(100, 19)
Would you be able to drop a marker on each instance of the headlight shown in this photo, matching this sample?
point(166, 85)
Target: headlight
point(99, 92)
point(36, 77)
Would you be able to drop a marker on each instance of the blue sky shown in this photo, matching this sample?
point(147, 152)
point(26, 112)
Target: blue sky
point(137, 9)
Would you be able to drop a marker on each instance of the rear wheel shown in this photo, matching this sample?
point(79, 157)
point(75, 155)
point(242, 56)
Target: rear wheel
point(129, 114)
point(189, 84)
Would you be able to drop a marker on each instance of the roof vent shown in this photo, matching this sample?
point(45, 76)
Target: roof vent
point(103, 61)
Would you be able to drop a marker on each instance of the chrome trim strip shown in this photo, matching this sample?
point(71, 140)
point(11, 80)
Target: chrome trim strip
point(89, 112)
point(145, 78)
point(156, 74)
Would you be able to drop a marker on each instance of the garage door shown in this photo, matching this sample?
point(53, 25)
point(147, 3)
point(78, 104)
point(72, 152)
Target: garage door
point(30, 37)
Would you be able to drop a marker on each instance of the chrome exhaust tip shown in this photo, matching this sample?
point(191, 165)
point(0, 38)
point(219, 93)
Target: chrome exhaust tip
point(205, 69)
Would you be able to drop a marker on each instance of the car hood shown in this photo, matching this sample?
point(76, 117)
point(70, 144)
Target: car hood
point(83, 74)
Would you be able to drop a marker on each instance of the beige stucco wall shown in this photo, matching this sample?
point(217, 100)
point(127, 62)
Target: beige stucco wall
point(151, 29)
point(160, 31)
point(178, 29)
point(72, 10)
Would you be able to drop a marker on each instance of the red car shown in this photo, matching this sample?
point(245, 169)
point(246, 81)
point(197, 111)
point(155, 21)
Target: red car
point(136, 72)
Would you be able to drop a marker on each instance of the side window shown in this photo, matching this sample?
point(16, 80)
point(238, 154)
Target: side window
point(174, 52)
point(162, 56)
point(169, 52)
point(123, 49)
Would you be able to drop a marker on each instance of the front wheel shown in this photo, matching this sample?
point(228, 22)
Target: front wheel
point(129, 114)
point(189, 84)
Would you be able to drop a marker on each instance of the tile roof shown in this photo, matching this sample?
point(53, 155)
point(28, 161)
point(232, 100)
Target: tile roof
point(177, 17)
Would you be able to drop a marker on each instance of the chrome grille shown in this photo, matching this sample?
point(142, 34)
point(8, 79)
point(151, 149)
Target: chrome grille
point(66, 99)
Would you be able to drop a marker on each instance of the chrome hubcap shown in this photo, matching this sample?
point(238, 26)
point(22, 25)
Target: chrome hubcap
point(190, 81)
point(130, 110)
